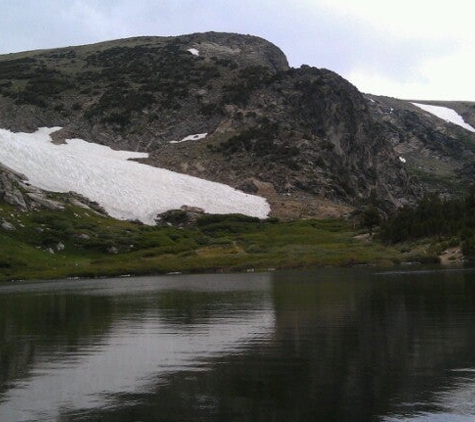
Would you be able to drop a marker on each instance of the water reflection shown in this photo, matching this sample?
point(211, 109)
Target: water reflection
point(381, 339)
point(452, 400)
point(138, 344)
point(330, 345)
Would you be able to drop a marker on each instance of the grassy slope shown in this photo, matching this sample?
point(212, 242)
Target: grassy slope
point(97, 246)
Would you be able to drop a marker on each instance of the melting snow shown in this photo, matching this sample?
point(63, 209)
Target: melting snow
point(194, 51)
point(126, 189)
point(196, 137)
point(446, 114)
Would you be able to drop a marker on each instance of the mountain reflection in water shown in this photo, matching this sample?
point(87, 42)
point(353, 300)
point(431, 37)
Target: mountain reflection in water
point(329, 345)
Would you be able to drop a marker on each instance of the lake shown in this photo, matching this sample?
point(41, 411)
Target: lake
point(361, 344)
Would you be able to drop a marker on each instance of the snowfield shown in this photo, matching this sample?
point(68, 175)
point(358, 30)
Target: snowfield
point(126, 189)
point(446, 114)
point(195, 137)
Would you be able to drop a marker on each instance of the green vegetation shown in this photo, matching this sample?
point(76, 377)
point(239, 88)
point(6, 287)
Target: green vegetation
point(78, 242)
point(262, 140)
point(114, 85)
point(437, 219)
point(247, 81)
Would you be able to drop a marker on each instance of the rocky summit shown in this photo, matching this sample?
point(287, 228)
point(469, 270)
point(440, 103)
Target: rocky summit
point(228, 108)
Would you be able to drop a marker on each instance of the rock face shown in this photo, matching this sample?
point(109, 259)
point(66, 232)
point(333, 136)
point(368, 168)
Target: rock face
point(12, 189)
point(439, 154)
point(306, 139)
point(309, 134)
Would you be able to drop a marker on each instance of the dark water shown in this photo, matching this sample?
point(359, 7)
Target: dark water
point(328, 345)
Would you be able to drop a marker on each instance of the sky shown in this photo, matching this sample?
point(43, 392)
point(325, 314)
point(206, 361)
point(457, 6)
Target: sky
point(409, 49)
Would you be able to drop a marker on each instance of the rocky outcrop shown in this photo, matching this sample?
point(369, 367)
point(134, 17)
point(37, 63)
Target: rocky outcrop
point(439, 154)
point(244, 50)
point(308, 134)
point(16, 190)
point(12, 189)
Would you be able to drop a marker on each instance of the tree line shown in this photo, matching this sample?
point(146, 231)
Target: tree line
point(434, 217)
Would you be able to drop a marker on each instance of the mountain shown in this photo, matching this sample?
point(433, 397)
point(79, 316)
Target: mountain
point(228, 108)
point(438, 151)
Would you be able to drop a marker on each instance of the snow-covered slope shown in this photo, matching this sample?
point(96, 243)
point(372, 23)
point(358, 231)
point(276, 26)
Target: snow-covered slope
point(446, 114)
point(125, 189)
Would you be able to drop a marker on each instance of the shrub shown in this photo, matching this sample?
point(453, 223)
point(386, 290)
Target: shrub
point(209, 219)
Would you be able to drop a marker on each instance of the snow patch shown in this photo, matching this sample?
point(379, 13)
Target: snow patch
point(194, 51)
point(446, 114)
point(402, 159)
point(126, 189)
point(196, 137)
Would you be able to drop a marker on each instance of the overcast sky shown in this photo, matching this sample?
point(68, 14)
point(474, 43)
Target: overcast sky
point(414, 49)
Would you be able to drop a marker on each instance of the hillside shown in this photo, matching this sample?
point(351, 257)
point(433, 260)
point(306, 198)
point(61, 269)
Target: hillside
point(227, 108)
point(438, 153)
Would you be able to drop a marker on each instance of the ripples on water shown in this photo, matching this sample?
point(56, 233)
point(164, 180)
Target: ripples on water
point(339, 345)
point(455, 401)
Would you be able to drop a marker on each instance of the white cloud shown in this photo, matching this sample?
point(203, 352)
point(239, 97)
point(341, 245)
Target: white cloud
point(409, 18)
point(426, 49)
point(441, 78)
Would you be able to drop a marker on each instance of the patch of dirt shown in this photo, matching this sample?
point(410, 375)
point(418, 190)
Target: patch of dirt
point(451, 256)
point(299, 205)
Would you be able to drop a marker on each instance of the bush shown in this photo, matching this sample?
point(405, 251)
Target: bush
point(175, 217)
point(211, 219)
point(370, 218)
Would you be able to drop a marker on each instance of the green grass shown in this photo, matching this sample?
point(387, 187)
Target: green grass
point(98, 246)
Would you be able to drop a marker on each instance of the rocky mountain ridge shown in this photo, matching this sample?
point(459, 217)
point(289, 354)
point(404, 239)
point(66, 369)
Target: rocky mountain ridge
point(438, 153)
point(228, 108)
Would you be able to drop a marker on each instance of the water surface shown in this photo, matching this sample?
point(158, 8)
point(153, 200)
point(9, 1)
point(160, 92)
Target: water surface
point(329, 345)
